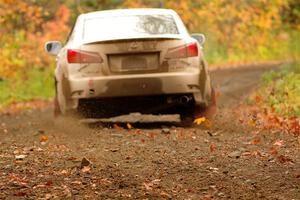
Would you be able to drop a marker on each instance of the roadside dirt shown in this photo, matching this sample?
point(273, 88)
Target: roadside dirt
point(45, 159)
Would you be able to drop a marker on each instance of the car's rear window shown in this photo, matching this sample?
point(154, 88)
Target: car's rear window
point(119, 27)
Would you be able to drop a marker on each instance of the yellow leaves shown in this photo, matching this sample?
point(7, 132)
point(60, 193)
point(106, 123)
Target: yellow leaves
point(252, 122)
point(186, 11)
point(134, 4)
point(129, 126)
point(203, 120)
point(24, 30)
point(8, 1)
point(199, 120)
point(44, 138)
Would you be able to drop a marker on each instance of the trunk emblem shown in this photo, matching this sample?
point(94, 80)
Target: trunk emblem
point(144, 85)
point(134, 45)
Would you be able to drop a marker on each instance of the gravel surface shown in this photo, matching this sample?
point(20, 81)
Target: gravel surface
point(42, 158)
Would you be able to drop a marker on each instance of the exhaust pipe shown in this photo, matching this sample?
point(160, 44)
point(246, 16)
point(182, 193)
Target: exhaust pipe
point(184, 99)
point(179, 100)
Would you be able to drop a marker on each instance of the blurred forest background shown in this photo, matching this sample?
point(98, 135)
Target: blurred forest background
point(237, 31)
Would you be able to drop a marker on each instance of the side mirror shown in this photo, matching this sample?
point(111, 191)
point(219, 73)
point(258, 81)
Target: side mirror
point(199, 37)
point(53, 47)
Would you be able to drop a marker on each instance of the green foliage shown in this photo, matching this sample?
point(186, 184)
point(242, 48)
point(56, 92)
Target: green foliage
point(281, 91)
point(36, 84)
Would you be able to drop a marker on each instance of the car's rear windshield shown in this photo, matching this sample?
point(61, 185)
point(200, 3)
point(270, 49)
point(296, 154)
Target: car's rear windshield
point(119, 27)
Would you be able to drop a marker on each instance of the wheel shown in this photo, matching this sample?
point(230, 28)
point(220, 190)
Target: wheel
point(187, 120)
point(209, 111)
point(63, 94)
point(187, 114)
point(56, 111)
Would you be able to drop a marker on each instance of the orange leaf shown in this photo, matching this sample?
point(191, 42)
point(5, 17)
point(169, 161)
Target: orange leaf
point(212, 147)
point(274, 151)
point(258, 99)
point(278, 143)
point(255, 141)
point(116, 126)
point(86, 169)
point(284, 159)
point(44, 138)
point(129, 126)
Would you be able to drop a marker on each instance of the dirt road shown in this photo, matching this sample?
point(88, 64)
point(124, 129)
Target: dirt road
point(43, 159)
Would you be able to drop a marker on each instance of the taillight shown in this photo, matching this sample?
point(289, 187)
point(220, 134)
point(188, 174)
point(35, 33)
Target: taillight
point(184, 51)
point(79, 56)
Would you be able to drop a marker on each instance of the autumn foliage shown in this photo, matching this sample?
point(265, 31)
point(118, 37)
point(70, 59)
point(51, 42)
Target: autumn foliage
point(24, 30)
point(237, 32)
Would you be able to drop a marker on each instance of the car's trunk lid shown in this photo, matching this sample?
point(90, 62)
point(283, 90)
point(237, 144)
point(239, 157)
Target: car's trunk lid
point(146, 55)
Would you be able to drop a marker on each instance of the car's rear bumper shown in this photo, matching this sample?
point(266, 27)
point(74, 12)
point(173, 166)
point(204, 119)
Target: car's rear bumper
point(134, 85)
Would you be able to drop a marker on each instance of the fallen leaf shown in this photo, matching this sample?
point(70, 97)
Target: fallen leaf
point(86, 169)
point(255, 141)
point(20, 194)
point(212, 147)
point(43, 138)
point(278, 143)
point(17, 151)
point(252, 122)
point(257, 153)
point(246, 154)
point(156, 181)
point(49, 183)
point(116, 126)
point(241, 120)
point(199, 120)
point(138, 131)
point(148, 186)
point(273, 151)
point(165, 195)
point(284, 159)
point(258, 99)
point(114, 150)
point(105, 182)
point(64, 172)
point(20, 157)
point(129, 126)
point(151, 135)
point(76, 182)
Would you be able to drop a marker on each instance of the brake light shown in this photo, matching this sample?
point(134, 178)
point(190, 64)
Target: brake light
point(79, 56)
point(184, 51)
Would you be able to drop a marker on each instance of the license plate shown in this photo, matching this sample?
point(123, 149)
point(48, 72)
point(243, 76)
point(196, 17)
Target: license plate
point(134, 62)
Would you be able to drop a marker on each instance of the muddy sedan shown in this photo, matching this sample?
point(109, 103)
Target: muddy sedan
point(134, 60)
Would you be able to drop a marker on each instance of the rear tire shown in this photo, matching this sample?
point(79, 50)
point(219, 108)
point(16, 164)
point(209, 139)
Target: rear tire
point(188, 117)
point(56, 111)
point(187, 120)
point(209, 111)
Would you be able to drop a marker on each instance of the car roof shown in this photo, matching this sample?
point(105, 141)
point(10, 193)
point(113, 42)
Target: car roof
point(128, 12)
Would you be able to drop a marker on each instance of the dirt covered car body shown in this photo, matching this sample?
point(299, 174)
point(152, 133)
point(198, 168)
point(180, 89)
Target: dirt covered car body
point(130, 55)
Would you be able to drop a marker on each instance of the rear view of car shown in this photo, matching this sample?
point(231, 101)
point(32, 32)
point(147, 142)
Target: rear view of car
point(134, 60)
